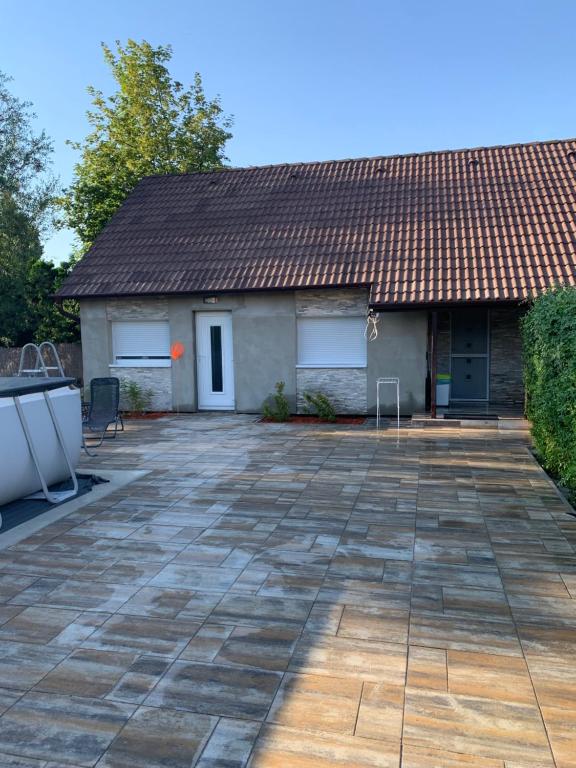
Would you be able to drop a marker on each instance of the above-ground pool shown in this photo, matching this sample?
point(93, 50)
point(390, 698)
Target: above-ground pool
point(23, 407)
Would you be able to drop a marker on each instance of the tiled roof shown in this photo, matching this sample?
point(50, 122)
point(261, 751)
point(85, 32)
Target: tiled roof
point(486, 224)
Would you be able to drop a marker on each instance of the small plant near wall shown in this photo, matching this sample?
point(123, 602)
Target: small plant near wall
point(135, 398)
point(319, 403)
point(279, 408)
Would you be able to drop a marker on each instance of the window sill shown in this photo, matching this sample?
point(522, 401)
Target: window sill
point(142, 364)
point(332, 365)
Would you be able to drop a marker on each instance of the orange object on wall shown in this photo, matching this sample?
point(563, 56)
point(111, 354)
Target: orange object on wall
point(176, 350)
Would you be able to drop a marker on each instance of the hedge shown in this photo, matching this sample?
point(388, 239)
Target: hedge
point(549, 337)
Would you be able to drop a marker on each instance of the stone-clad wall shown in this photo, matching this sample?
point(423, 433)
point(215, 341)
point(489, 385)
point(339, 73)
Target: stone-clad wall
point(159, 380)
point(444, 343)
point(346, 387)
point(506, 364)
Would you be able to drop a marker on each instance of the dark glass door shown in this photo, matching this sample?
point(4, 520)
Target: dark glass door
point(469, 354)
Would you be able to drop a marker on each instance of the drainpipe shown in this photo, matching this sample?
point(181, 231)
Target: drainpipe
point(433, 363)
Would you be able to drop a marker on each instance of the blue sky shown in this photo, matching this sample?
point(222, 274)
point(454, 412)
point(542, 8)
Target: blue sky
point(312, 80)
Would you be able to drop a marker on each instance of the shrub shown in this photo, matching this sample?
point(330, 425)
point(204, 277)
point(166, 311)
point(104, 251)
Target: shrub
point(549, 337)
point(135, 396)
point(279, 409)
point(321, 404)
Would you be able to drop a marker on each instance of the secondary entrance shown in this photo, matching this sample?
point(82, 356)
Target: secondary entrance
point(469, 354)
point(215, 361)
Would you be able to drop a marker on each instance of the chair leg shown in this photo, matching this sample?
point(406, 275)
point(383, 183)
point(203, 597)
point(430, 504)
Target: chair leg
point(121, 423)
point(85, 447)
point(101, 439)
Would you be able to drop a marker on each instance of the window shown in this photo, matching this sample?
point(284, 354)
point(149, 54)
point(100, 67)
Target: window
point(331, 342)
point(145, 343)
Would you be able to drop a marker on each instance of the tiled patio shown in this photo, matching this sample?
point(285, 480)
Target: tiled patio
point(292, 596)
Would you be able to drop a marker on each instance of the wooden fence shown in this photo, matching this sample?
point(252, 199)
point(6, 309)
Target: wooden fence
point(70, 356)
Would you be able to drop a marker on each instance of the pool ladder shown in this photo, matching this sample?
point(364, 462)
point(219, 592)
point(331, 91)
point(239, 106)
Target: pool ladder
point(46, 360)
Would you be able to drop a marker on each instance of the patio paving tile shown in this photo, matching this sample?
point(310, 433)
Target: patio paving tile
point(215, 689)
point(321, 596)
point(87, 673)
point(8, 697)
point(89, 595)
point(155, 602)
point(159, 738)
point(489, 675)
point(369, 623)
point(11, 584)
point(422, 757)
point(561, 727)
point(347, 657)
point(279, 747)
point(37, 624)
point(139, 680)
point(261, 611)
point(66, 728)
point(22, 665)
point(262, 647)
point(475, 725)
point(381, 712)
point(230, 744)
point(163, 637)
point(427, 668)
point(464, 634)
point(317, 703)
point(196, 577)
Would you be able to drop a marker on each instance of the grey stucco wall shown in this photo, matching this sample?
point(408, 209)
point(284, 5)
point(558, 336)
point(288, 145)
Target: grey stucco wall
point(264, 331)
point(96, 339)
point(399, 350)
point(264, 338)
point(346, 387)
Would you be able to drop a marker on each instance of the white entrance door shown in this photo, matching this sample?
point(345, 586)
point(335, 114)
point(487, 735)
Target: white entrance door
point(215, 361)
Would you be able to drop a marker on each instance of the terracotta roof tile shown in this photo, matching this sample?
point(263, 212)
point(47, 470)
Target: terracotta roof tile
point(489, 224)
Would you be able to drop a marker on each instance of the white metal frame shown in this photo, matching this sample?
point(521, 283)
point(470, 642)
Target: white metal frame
point(42, 368)
point(396, 382)
point(54, 497)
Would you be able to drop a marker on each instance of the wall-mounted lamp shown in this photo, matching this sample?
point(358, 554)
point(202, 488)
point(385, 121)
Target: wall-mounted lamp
point(210, 299)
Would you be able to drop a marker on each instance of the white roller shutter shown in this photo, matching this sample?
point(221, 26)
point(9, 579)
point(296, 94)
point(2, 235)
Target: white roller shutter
point(331, 342)
point(144, 342)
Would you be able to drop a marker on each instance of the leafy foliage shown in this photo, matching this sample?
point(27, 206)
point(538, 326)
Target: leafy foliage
point(320, 403)
point(27, 311)
point(19, 249)
point(25, 158)
point(135, 396)
point(150, 125)
point(549, 336)
point(279, 409)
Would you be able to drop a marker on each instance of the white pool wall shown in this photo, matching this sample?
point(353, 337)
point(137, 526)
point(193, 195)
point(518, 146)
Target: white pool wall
point(18, 474)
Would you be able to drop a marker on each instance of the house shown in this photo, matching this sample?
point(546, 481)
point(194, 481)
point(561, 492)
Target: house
point(267, 274)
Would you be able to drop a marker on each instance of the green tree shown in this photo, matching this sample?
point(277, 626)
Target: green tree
point(150, 125)
point(25, 158)
point(27, 282)
point(19, 248)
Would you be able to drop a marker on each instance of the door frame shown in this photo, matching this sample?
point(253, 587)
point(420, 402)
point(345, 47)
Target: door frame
point(227, 359)
point(484, 355)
